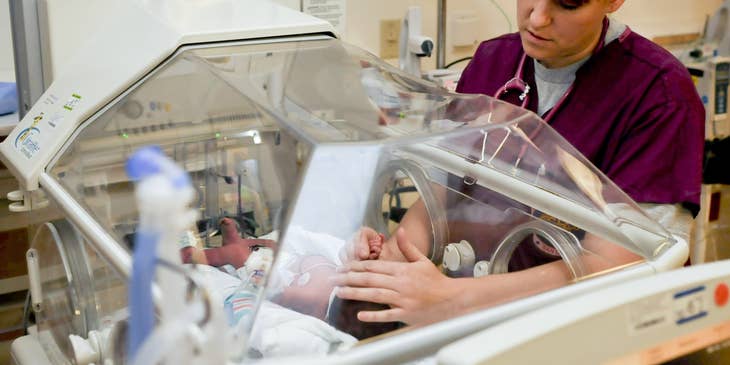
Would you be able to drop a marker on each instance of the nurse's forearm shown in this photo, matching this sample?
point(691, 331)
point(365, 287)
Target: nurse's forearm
point(418, 229)
point(491, 290)
point(488, 291)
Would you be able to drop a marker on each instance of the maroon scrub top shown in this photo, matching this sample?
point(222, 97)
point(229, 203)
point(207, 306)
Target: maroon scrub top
point(633, 112)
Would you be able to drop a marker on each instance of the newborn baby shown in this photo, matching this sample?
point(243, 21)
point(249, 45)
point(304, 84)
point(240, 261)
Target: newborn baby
point(300, 278)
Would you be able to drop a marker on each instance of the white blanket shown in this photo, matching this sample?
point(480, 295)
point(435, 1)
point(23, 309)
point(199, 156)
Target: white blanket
point(279, 331)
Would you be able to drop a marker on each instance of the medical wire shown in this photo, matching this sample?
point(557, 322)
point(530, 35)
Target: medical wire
point(504, 14)
point(318, 265)
point(457, 61)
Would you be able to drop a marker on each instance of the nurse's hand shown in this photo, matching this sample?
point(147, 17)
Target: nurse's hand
point(417, 292)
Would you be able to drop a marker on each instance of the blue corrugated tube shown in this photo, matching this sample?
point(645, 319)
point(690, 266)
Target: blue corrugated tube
point(8, 98)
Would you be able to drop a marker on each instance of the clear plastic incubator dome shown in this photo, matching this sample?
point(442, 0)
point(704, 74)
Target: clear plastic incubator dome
point(300, 152)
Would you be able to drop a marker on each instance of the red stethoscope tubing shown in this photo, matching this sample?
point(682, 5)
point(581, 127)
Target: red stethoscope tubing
point(517, 83)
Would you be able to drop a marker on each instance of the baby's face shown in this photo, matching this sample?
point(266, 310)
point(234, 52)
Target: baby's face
point(310, 290)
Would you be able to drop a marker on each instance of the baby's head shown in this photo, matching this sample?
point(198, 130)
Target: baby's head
point(343, 316)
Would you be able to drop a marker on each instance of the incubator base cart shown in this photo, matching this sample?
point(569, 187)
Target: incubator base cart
point(295, 145)
point(678, 317)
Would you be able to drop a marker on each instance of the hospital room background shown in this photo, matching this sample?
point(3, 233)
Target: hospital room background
point(372, 25)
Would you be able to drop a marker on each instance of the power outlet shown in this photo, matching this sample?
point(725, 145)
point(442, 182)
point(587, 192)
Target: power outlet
point(389, 34)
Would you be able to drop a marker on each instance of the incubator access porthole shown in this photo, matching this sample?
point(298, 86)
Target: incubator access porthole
point(67, 304)
point(399, 185)
point(565, 244)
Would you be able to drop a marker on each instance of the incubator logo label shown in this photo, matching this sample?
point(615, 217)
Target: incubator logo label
point(27, 140)
point(649, 314)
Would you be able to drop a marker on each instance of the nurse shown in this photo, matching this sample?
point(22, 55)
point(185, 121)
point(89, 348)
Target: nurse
point(628, 105)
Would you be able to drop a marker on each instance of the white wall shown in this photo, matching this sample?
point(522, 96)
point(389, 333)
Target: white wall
point(69, 26)
point(662, 17)
point(363, 21)
point(7, 66)
point(648, 17)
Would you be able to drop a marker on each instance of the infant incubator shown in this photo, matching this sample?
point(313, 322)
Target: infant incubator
point(293, 142)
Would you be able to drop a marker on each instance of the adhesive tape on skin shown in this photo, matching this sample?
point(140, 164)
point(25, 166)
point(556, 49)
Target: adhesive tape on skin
point(282, 275)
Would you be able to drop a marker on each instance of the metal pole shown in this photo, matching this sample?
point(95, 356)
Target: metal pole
point(27, 53)
point(441, 35)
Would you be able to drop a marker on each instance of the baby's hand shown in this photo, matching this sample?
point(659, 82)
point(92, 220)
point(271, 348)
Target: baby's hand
point(375, 244)
point(366, 244)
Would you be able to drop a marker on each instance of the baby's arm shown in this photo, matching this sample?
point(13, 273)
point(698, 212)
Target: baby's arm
point(235, 255)
point(235, 249)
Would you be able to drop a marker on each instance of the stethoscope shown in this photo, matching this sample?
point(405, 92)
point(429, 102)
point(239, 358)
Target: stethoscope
point(517, 84)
